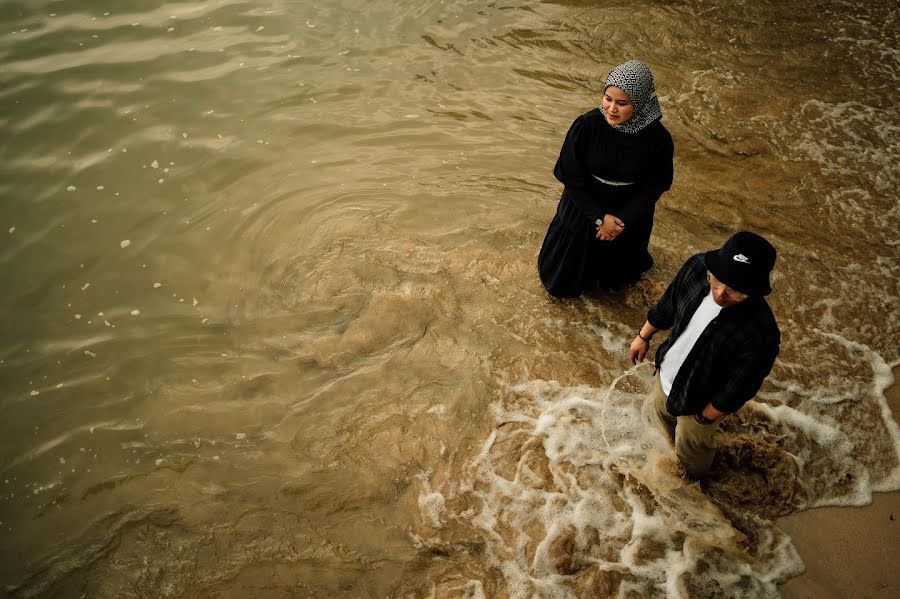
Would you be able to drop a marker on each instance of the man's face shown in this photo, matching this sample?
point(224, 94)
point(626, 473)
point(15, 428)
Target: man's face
point(722, 294)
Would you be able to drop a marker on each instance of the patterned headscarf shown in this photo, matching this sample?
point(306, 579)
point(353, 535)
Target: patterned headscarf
point(636, 80)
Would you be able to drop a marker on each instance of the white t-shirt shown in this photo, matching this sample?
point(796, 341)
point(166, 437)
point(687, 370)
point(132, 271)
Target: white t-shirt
point(678, 353)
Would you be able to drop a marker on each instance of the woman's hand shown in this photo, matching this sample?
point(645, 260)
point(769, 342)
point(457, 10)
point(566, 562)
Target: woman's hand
point(611, 228)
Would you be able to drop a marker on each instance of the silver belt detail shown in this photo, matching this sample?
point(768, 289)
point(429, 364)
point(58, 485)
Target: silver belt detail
point(613, 182)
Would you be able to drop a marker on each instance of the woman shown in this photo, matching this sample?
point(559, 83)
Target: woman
point(615, 163)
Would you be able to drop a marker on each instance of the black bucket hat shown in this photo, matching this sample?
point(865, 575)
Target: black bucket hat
point(743, 263)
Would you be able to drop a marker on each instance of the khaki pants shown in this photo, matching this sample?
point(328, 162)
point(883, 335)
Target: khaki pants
point(695, 443)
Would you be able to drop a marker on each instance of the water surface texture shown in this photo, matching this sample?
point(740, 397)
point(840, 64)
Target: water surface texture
point(272, 323)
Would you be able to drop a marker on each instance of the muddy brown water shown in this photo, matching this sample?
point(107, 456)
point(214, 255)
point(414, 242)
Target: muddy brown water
point(272, 325)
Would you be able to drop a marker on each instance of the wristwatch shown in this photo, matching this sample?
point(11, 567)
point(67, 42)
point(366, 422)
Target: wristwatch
point(699, 417)
point(599, 221)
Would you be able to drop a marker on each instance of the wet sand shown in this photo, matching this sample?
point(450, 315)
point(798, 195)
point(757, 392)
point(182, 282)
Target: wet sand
point(849, 552)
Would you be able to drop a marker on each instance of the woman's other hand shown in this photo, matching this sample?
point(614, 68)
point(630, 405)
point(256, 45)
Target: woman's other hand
point(611, 228)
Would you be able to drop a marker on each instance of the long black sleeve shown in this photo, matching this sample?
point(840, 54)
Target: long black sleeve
point(662, 314)
point(571, 170)
point(656, 179)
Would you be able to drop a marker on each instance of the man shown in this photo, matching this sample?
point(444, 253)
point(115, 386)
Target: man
point(723, 344)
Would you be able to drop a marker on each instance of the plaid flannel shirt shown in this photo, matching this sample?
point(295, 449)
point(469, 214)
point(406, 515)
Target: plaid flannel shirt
point(731, 357)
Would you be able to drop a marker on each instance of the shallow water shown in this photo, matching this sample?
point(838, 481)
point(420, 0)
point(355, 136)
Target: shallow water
point(273, 326)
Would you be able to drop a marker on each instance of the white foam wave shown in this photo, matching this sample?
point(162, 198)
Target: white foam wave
point(575, 483)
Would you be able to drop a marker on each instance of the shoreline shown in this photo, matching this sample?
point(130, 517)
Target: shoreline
point(848, 551)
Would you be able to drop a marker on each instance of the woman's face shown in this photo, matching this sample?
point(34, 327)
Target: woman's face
point(617, 106)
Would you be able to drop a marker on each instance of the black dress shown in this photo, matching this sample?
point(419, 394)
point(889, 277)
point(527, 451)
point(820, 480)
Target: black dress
point(572, 259)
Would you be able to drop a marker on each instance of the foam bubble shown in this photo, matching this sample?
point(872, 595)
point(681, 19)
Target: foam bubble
point(432, 504)
point(575, 489)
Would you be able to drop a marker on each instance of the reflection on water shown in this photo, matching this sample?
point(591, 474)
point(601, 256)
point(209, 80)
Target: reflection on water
point(273, 325)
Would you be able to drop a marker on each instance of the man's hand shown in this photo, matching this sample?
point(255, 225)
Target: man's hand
point(638, 350)
point(611, 228)
point(711, 413)
point(641, 344)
